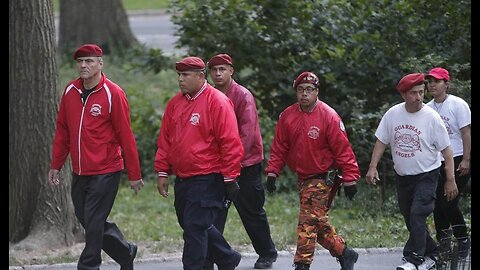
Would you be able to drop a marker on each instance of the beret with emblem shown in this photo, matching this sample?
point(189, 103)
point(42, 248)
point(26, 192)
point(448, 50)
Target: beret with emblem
point(87, 50)
point(190, 63)
point(409, 81)
point(306, 77)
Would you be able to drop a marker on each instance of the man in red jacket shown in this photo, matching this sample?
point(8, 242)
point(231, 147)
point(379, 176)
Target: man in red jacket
point(93, 126)
point(199, 145)
point(310, 138)
point(251, 199)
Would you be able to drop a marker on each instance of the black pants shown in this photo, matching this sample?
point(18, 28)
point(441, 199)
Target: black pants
point(416, 200)
point(198, 201)
point(447, 213)
point(93, 198)
point(249, 205)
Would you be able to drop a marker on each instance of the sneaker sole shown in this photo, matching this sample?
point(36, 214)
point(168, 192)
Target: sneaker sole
point(272, 259)
point(262, 267)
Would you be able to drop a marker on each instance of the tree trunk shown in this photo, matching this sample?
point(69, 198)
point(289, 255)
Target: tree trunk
point(38, 214)
point(103, 22)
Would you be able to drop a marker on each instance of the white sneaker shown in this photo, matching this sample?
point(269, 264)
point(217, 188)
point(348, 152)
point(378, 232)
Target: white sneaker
point(427, 264)
point(407, 266)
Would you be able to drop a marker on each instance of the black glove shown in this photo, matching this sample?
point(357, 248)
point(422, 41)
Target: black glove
point(350, 191)
point(271, 187)
point(232, 189)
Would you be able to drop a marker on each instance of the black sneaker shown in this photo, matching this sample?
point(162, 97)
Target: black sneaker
point(265, 262)
point(301, 266)
point(463, 247)
point(348, 259)
point(133, 253)
point(231, 266)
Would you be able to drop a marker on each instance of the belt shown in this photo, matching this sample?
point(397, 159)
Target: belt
point(318, 176)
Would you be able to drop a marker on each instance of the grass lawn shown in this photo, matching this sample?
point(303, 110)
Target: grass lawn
point(148, 216)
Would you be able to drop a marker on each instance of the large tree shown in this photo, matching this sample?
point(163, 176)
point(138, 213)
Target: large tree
point(39, 216)
point(103, 22)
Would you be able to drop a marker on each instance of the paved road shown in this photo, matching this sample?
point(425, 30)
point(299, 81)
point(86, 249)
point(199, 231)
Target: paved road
point(152, 28)
point(155, 30)
point(369, 259)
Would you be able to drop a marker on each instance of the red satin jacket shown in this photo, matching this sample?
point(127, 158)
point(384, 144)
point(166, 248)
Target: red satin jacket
point(198, 136)
point(97, 135)
point(312, 143)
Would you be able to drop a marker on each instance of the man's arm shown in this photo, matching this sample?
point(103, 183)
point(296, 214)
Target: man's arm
point(464, 166)
point(372, 174)
point(450, 190)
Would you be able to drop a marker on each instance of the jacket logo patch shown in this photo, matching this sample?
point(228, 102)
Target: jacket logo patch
point(314, 132)
point(96, 110)
point(195, 119)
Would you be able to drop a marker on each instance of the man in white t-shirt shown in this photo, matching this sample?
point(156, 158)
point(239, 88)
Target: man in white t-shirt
point(416, 135)
point(456, 115)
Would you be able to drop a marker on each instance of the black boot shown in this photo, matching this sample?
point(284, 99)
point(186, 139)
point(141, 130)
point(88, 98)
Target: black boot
point(348, 258)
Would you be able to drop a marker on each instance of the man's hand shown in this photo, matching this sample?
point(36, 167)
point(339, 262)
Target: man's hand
point(162, 186)
point(271, 187)
point(53, 177)
point(464, 167)
point(232, 189)
point(450, 189)
point(350, 191)
point(372, 176)
point(136, 185)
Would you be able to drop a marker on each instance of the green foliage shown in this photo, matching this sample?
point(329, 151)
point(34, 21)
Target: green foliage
point(151, 59)
point(356, 47)
point(359, 49)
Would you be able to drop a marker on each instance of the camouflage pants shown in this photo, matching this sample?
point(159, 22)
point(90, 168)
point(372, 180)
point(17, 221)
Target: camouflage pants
point(313, 223)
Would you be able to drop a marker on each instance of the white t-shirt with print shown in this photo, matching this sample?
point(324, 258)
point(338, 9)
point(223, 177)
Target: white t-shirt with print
point(416, 139)
point(456, 114)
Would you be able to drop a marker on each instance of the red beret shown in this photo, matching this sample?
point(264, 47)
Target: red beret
point(220, 59)
point(306, 77)
point(409, 81)
point(189, 63)
point(439, 73)
point(88, 50)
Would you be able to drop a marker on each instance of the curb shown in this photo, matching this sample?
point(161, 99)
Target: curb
point(178, 257)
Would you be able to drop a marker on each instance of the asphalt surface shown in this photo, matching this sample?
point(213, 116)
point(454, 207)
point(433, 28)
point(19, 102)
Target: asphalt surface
point(369, 259)
point(152, 28)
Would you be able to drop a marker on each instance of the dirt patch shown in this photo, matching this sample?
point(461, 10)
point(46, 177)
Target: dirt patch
point(27, 256)
point(146, 250)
